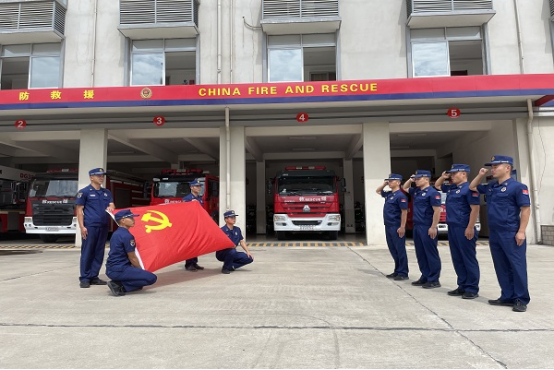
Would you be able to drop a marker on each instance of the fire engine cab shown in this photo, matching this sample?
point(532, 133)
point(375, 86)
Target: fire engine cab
point(172, 185)
point(13, 191)
point(51, 201)
point(306, 199)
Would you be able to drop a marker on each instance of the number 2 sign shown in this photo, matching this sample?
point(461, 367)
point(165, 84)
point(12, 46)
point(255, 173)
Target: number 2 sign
point(20, 124)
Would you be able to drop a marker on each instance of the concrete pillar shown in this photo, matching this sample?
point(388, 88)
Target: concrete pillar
point(348, 174)
point(93, 153)
point(377, 166)
point(260, 198)
point(236, 200)
point(522, 164)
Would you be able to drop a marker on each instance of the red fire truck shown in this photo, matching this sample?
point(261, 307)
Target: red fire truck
point(51, 201)
point(306, 199)
point(13, 191)
point(172, 185)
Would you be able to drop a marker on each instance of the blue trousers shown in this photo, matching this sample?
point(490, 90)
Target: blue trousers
point(510, 264)
point(92, 252)
point(464, 258)
point(427, 254)
point(233, 259)
point(132, 278)
point(397, 248)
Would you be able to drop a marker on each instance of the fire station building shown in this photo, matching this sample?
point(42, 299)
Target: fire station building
point(244, 88)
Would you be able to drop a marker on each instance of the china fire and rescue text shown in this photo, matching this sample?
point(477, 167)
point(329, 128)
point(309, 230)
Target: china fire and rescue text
point(51, 200)
point(306, 199)
point(172, 185)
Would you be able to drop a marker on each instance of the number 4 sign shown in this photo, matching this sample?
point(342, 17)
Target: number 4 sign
point(302, 117)
point(20, 124)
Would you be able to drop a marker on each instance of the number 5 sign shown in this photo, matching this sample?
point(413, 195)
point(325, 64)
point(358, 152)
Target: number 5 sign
point(453, 113)
point(20, 124)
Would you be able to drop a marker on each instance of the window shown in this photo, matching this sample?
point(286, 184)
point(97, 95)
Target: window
point(447, 52)
point(163, 62)
point(30, 66)
point(298, 58)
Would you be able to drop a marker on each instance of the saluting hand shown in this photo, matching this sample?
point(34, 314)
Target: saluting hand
point(445, 175)
point(483, 171)
point(520, 238)
point(469, 233)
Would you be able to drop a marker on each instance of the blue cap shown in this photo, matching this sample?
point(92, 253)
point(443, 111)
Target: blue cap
point(499, 159)
point(229, 213)
point(96, 171)
point(422, 173)
point(394, 176)
point(459, 168)
point(124, 214)
point(195, 183)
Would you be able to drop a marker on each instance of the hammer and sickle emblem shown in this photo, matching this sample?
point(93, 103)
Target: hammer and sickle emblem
point(161, 222)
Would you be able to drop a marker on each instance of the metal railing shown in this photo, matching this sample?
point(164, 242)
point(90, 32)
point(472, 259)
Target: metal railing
point(432, 6)
point(272, 9)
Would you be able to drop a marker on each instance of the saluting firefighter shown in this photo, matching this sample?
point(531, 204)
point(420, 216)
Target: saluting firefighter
point(123, 266)
point(91, 204)
point(426, 217)
point(462, 208)
point(194, 196)
point(395, 215)
point(508, 210)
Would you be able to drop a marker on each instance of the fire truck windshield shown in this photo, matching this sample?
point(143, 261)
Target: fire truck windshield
point(173, 189)
point(305, 185)
point(53, 188)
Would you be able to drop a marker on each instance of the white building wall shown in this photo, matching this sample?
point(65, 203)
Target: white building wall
point(536, 36)
point(544, 166)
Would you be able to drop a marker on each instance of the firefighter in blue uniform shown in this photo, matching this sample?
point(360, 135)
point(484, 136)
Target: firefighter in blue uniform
point(194, 196)
point(123, 265)
point(231, 258)
point(508, 210)
point(91, 204)
point(395, 214)
point(426, 217)
point(462, 209)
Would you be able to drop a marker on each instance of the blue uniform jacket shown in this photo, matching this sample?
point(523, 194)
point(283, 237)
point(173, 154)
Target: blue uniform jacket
point(458, 203)
point(121, 243)
point(95, 203)
point(395, 202)
point(423, 203)
point(504, 202)
point(234, 234)
point(190, 197)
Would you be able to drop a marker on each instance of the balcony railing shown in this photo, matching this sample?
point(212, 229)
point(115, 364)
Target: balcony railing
point(300, 16)
point(31, 21)
point(155, 18)
point(449, 13)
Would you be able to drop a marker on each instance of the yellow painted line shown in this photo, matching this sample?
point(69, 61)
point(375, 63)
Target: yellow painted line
point(20, 246)
point(445, 244)
point(305, 244)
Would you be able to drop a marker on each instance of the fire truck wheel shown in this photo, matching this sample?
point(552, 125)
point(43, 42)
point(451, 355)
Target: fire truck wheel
point(281, 235)
point(333, 235)
point(48, 238)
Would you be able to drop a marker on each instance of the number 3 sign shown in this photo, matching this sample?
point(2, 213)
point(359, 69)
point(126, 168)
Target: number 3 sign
point(20, 124)
point(159, 120)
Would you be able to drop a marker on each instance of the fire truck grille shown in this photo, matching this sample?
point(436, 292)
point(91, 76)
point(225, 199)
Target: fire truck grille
point(306, 223)
point(52, 215)
point(52, 220)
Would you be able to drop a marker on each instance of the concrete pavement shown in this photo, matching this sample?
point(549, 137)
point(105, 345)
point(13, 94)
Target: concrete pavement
point(320, 307)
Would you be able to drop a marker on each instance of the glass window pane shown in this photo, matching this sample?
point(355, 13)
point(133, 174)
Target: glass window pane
point(324, 39)
point(464, 33)
point(287, 40)
point(148, 45)
point(47, 49)
point(45, 72)
point(285, 65)
point(147, 69)
point(429, 34)
point(430, 59)
point(180, 44)
point(16, 50)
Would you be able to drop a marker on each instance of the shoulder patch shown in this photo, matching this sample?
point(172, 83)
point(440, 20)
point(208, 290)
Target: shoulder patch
point(403, 200)
point(132, 242)
point(474, 194)
point(525, 191)
point(437, 196)
point(79, 195)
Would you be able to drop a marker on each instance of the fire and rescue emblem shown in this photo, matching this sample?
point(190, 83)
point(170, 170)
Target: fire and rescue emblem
point(306, 208)
point(503, 189)
point(132, 242)
point(146, 93)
